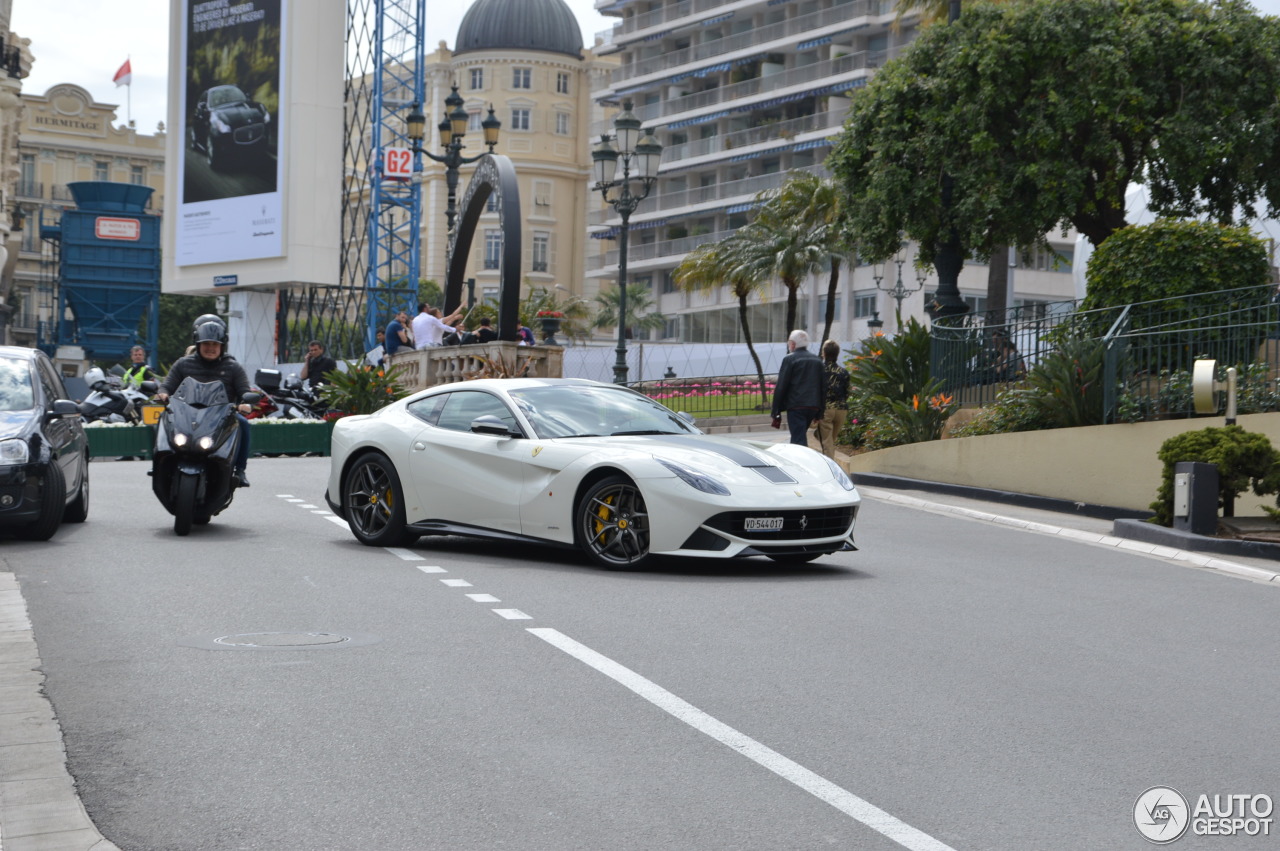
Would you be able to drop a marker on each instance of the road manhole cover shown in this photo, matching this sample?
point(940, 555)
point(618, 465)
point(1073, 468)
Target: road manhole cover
point(283, 640)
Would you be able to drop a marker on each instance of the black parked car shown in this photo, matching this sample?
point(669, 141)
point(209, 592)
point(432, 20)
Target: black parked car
point(226, 124)
point(44, 454)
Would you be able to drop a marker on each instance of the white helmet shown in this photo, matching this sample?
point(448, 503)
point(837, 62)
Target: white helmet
point(94, 375)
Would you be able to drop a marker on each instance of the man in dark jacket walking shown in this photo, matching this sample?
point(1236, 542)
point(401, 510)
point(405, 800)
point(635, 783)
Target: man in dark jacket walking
point(210, 362)
point(800, 389)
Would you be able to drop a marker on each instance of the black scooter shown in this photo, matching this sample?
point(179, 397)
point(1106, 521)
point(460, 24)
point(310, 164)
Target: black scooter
point(196, 443)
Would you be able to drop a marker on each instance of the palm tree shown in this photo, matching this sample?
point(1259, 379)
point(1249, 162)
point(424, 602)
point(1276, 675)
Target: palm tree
point(724, 263)
point(790, 249)
point(814, 203)
point(640, 313)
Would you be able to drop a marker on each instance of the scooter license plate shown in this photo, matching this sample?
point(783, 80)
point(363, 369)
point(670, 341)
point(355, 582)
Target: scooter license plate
point(151, 414)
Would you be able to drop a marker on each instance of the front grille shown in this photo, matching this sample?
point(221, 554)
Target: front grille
point(248, 135)
point(796, 524)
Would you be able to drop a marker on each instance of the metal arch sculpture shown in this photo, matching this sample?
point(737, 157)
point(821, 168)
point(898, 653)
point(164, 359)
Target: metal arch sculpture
point(494, 174)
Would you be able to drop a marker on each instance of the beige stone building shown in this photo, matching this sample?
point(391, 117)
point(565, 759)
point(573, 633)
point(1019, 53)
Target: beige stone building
point(64, 136)
point(15, 64)
point(524, 58)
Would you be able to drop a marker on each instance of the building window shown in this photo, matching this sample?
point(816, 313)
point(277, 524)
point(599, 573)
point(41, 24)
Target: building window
point(562, 83)
point(522, 78)
point(822, 309)
point(492, 248)
point(668, 285)
point(562, 123)
point(477, 78)
point(491, 204)
point(864, 305)
point(101, 171)
point(541, 251)
point(473, 122)
point(138, 175)
point(520, 119)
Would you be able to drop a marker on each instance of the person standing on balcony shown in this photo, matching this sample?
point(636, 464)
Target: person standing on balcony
point(836, 399)
point(800, 388)
point(429, 327)
point(397, 335)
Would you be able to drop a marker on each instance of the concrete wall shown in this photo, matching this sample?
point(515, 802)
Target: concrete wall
point(1112, 465)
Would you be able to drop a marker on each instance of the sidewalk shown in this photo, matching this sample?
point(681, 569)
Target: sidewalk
point(39, 807)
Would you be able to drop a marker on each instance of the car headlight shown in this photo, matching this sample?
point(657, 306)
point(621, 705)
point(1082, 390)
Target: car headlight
point(221, 126)
point(180, 440)
point(266, 117)
point(694, 479)
point(14, 451)
point(842, 478)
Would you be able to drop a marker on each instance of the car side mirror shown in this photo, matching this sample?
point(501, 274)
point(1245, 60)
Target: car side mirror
point(489, 424)
point(63, 408)
point(686, 416)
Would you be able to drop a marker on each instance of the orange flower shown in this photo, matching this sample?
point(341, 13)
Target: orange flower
point(915, 402)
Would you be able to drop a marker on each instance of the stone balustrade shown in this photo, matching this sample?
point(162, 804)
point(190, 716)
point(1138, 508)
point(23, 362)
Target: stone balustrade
point(423, 368)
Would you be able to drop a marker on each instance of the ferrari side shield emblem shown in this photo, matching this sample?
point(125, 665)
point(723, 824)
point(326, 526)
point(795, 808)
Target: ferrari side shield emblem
point(536, 450)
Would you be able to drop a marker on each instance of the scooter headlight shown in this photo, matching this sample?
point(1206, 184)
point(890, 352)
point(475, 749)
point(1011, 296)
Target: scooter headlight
point(180, 440)
point(206, 443)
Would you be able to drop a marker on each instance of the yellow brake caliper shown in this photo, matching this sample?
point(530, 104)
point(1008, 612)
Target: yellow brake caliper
point(603, 513)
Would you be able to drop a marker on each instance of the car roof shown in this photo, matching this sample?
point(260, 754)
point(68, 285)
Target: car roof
point(19, 352)
point(518, 384)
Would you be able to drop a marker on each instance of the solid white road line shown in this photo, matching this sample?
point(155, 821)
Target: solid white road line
point(337, 520)
point(848, 803)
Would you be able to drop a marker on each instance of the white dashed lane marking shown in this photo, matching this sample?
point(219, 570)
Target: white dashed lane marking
point(850, 804)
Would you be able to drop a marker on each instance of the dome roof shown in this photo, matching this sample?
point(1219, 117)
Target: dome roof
point(546, 25)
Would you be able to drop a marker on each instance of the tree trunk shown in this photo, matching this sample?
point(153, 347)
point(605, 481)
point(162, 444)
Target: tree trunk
point(832, 284)
point(793, 290)
point(998, 285)
point(746, 335)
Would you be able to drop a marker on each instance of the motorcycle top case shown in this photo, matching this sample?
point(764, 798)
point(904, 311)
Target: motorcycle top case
point(267, 379)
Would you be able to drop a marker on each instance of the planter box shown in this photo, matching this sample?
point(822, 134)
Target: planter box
point(121, 440)
point(290, 438)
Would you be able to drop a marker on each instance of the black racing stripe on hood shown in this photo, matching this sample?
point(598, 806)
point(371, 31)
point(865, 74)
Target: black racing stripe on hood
point(742, 457)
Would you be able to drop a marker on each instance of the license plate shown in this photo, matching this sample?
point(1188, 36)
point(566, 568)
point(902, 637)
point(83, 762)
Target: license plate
point(151, 414)
point(763, 524)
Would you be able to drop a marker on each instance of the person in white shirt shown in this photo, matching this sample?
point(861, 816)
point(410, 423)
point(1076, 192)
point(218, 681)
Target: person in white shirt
point(429, 328)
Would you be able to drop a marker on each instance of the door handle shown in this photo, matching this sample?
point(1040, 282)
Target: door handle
point(418, 446)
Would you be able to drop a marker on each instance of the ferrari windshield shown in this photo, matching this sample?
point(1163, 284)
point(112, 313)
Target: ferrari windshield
point(593, 410)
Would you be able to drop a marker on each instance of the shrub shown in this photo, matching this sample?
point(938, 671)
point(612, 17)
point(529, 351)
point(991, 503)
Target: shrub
point(1244, 459)
point(894, 399)
point(362, 389)
point(1015, 409)
point(1068, 384)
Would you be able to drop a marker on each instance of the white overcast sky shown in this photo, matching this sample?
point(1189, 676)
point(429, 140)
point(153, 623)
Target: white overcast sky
point(85, 41)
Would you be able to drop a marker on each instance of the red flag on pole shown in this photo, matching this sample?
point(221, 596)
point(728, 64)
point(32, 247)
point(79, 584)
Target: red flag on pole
point(124, 76)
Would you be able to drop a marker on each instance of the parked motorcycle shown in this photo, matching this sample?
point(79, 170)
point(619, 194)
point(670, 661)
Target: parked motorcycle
point(290, 398)
point(196, 443)
point(110, 402)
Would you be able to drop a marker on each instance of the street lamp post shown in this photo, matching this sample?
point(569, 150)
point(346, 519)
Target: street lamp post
point(624, 175)
point(899, 291)
point(451, 128)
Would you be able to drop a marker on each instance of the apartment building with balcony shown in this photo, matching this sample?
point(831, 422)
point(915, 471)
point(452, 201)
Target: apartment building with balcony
point(740, 93)
point(65, 136)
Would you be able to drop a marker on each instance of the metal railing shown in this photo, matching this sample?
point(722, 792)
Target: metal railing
point(1148, 350)
point(777, 131)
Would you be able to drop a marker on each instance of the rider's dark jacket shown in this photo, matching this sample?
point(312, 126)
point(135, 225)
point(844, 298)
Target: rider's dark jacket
point(225, 369)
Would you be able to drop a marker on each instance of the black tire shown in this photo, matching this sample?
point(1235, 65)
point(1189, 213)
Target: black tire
point(202, 519)
point(373, 503)
point(795, 558)
point(612, 524)
point(53, 502)
point(184, 505)
point(77, 510)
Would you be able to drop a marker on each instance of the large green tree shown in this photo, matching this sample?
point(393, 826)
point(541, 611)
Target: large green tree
point(1044, 111)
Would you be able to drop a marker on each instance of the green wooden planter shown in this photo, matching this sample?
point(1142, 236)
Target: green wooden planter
point(290, 438)
point(121, 441)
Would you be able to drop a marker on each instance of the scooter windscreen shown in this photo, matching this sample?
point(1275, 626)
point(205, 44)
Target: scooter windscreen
point(201, 394)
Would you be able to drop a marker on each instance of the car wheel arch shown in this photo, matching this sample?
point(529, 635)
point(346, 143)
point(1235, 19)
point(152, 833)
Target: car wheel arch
point(589, 480)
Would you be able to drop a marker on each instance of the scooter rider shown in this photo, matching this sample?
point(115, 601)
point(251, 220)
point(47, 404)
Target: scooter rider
point(210, 362)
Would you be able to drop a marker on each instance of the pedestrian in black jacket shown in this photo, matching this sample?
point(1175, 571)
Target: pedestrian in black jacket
point(800, 389)
point(210, 362)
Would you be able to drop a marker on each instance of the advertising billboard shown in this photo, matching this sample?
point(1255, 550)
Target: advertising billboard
point(231, 131)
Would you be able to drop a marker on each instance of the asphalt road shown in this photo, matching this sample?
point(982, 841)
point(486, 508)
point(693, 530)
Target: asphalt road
point(953, 684)
point(251, 175)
